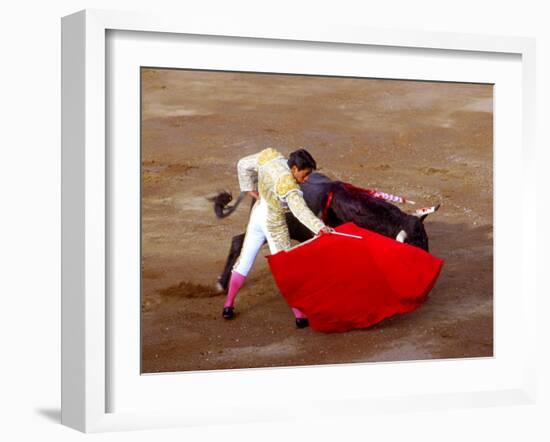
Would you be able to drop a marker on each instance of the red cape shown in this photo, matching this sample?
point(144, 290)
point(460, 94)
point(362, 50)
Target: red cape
point(345, 283)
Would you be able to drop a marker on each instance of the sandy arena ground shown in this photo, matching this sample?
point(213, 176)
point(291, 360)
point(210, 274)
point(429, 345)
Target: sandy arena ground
point(431, 142)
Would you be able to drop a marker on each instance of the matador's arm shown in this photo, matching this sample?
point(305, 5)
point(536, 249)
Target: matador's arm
point(247, 171)
point(288, 190)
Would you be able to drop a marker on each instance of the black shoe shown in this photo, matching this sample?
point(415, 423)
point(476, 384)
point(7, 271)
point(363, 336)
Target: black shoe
point(302, 322)
point(228, 312)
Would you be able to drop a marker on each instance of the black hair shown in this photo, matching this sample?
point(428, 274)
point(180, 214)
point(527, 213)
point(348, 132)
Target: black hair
point(302, 159)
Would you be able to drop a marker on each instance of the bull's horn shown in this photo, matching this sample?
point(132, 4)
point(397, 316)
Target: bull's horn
point(401, 236)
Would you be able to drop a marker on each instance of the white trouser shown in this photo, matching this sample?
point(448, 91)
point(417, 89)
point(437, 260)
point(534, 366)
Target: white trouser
point(256, 234)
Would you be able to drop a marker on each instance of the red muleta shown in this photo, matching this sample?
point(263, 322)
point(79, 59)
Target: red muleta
point(343, 283)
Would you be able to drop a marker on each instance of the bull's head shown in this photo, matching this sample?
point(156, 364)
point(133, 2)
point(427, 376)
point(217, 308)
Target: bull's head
point(413, 231)
point(416, 234)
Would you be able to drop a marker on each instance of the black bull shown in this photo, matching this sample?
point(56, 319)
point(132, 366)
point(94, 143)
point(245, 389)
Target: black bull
point(346, 205)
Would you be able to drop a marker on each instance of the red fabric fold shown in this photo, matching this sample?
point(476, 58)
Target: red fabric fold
point(343, 283)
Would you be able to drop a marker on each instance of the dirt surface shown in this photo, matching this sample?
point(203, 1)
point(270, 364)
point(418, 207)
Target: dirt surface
point(431, 142)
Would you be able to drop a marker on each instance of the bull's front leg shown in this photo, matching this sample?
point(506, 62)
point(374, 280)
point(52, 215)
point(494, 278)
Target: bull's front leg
point(234, 252)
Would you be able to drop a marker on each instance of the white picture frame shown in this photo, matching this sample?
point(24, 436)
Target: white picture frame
point(86, 356)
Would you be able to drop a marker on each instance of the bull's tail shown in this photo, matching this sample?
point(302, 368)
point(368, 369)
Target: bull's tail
point(221, 203)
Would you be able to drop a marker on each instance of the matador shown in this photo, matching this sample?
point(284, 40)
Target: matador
point(274, 181)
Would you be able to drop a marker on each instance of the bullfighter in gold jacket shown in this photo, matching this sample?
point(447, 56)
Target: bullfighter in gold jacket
point(274, 181)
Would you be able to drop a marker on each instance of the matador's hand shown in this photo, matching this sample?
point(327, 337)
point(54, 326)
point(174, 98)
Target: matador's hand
point(326, 229)
point(254, 194)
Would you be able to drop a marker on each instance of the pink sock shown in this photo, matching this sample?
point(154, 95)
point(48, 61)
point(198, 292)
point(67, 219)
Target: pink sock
point(235, 284)
point(297, 313)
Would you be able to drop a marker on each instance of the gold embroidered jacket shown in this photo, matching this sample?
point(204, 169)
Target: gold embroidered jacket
point(268, 172)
